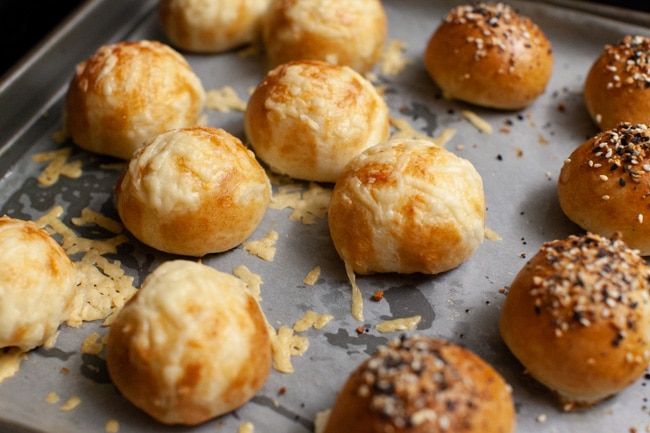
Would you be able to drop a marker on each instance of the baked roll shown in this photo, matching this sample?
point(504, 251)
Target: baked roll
point(617, 87)
point(603, 185)
point(335, 31)
point(37, 284)
point(193, 191)
point(126, 93)
point(577, 316)
point(407, 206)
point(211, 26)
point(489, 55)
point(307, 119)
point(423, 385)
point(192, 344)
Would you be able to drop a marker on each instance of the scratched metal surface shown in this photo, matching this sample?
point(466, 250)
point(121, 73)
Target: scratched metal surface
point(519, 163)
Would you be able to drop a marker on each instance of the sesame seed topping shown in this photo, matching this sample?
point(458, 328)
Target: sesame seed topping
point(586, 279)
point(630, 57)
point(622, 149)
point(499, 26)
point(412, 381)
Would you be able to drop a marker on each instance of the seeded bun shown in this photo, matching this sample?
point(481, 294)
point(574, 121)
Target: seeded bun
point(407, 206)
point(307, 119)
point(342, 32)
point(211, 26)
point(602, 186)
point(37, 285)
point(577, 316)
point(193, 191)
point(489, 55)
point(192, 344)
point(617, 87)
point(127, 92)
point(423, 385)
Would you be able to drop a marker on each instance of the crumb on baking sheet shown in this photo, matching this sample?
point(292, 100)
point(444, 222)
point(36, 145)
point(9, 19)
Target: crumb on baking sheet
point(57, 166)
point(404, 130)
point(103, 285)
point(70, 404)
point(112, 426)
point(311, 319)
point(263, 248)
point(392, 60)
point(308, 206)
point(400, 324)
point(246, 427)
point(52, 398)
point(312, 276)
point(92, 344)
point(224, 100)
point(253, 281)
point(478, 122)
point(492, 235)
point(286, 344)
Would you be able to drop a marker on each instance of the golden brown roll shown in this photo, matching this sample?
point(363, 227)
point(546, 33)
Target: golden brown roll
point(407, 206)
point(307, 119)
point(603, 185)
point(126, 93)
point(577, 316)
point(193, 191)
point(617, 87)
point(489, 55)
point(211, 26)
point(335, 31)
point(37, 284)
point(423, 385)
point(192, 344)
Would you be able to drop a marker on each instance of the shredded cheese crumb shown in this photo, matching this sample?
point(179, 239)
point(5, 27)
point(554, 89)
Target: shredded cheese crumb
point(253, 281)
point(263, 248)
point(71, 404)
point(392, 58)
point(321, 420)
point(478, 122)
point(285, 345)
point(91, 346)
point(357, 297)
point(401, 324)
point(312, 319)
point(57, 166)
point(308, 206)
point(492, 235)
point(405, 130)
point(224, 100)
point(112, 426)
point(246, 427)
point(52, 398)
point(312, 276)
point(103, 285)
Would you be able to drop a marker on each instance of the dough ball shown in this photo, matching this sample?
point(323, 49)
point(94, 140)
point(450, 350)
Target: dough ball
point(423, 385)
point(193, 191)
point(192, 344)
point(37, 284)
point(577, 316)
point(487, 54)
point(603, 185)
point(407, 206)
point(307, 119)
point(350, 33)
point(617, 87)
point(211, 26)
point(126, 93)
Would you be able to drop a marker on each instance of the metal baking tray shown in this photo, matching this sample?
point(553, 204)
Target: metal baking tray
point(519, 162)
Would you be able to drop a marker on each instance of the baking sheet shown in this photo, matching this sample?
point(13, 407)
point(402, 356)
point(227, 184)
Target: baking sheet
point(519, 162)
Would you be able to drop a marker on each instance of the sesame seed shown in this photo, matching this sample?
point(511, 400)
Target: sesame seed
point(603, 177)
point(640, 218)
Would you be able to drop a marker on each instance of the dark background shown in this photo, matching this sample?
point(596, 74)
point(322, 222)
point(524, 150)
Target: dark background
point(23, 23)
